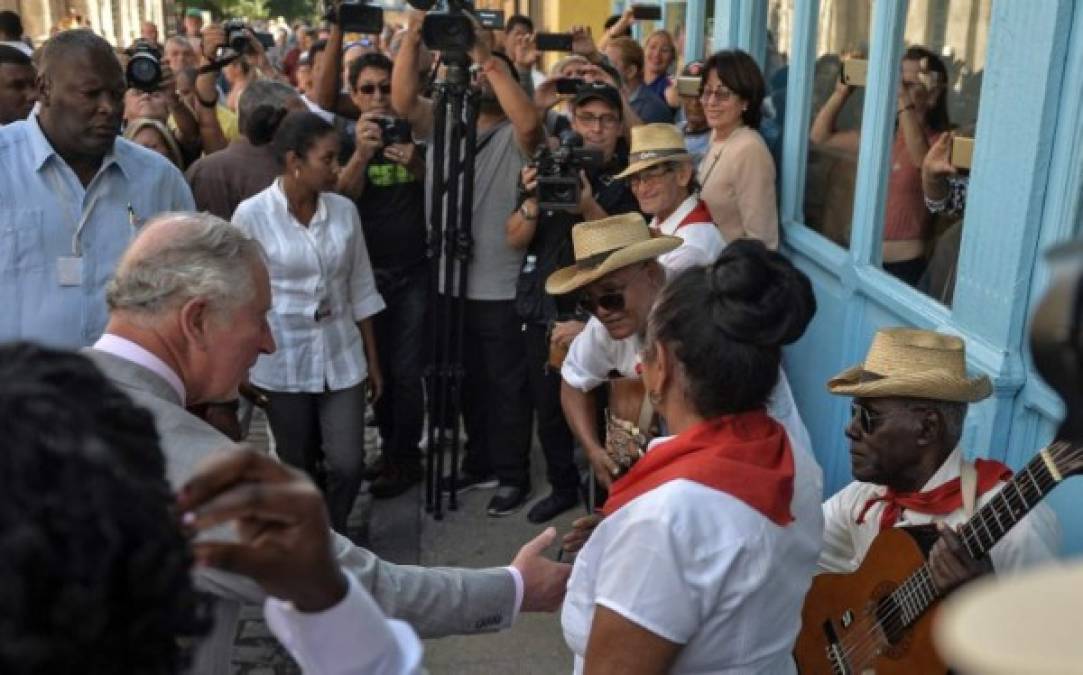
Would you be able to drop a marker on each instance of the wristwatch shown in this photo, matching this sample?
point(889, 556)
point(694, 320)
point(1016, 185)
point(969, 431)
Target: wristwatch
point(526, 214)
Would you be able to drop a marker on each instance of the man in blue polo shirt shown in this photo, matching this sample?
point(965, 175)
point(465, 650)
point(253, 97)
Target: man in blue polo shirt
point(72, 195)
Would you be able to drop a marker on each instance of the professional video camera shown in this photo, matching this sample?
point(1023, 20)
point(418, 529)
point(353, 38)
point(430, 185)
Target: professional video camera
point(356, 16)
point(449, 31)
point(394, 130)
point(558, 171)
point(237, 37)
point(144, 70)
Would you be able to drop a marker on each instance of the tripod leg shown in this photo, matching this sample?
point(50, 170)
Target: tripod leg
point(435, 372)
point(453, 286)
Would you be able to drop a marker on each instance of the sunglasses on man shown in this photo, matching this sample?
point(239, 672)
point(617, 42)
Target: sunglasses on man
point(612, 301)
point(867, 419)
point(370, 89)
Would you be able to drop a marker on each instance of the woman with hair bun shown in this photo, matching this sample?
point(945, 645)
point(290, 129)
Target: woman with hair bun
point(710, 541)
point(324, 295)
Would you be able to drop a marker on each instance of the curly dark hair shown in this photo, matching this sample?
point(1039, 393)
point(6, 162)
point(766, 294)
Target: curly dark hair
point(95, 570)
point(726, 324)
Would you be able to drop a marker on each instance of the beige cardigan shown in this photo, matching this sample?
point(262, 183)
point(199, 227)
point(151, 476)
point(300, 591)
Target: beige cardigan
point(737, 180)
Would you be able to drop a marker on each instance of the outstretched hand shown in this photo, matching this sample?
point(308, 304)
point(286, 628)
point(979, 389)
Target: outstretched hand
point(544, 581)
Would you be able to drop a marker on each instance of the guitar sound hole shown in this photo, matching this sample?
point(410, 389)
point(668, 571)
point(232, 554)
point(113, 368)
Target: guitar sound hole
point(890, 620)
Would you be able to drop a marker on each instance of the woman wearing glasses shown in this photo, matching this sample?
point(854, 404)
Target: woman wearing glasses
point(710, 541)
point(737, 174)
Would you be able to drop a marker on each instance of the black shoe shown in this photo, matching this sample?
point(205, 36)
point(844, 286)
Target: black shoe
point(466, 482)
point(509, 499)
point(552, 506)
point(395, 479)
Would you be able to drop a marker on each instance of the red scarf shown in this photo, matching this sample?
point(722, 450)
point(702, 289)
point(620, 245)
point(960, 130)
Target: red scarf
point(746, 455)
point(938, 501)
point(699, 214)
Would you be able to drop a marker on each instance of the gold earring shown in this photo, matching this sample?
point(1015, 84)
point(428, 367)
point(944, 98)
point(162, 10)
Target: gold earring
point(655, 397)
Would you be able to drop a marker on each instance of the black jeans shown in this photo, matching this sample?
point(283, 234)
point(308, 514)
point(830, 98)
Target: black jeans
point(496, 403)
point(401, 344)
point(553, 432)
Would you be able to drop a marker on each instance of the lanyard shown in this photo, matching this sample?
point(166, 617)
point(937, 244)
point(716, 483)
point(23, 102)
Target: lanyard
point(86, 212)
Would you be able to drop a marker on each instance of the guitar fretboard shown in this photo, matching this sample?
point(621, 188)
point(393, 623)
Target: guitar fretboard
point(1026, 488)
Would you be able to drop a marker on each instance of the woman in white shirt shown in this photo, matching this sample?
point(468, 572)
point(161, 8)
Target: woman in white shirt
point(707, 548)
point(323, 298)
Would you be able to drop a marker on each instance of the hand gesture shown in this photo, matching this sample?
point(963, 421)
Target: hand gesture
point(605, 469)
point(368, 136)
point(374, 385)
point(213, 38)
point(565, 331)
point(583, 41)
point(544, 581)
point(592, 73)
point(285, 537)
point(528, 177)
point(627, 18)
point(526, 51)
point(401, 153)
point(545, 94)
point(582, 528)
point(937, 161)
point(951, 563)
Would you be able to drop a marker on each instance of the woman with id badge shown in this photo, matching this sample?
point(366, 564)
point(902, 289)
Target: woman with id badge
point(323, 299)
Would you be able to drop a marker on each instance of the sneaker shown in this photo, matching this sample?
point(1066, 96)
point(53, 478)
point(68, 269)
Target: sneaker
point(509, 499)
point(395, 479)
point(552, 506)
point(467, 482)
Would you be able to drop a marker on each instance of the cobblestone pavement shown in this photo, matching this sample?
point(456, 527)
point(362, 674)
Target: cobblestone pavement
point(400, 531)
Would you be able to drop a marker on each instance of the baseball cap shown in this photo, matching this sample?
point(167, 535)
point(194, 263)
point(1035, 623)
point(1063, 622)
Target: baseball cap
point(601, 91)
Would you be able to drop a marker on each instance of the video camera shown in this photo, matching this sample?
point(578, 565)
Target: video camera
point(356, 16)
point(237, 37)
point(451, 30)
point(558, 171)
point(144, 70)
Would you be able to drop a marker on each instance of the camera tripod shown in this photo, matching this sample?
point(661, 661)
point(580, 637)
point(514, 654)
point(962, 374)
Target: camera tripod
point(455, 117)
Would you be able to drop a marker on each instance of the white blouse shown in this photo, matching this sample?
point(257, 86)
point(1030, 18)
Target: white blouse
point(703, 569)
point(702, 240)
point(321, 286)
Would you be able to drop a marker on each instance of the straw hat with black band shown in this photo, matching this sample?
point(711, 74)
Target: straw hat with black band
point(654, 144)
point(912, 363)
point(606, 245)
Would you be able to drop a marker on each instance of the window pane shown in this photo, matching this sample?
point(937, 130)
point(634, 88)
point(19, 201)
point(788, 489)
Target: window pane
point(841, 47)
point(941, 71)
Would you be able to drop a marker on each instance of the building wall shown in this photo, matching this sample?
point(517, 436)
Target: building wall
point(117, 21)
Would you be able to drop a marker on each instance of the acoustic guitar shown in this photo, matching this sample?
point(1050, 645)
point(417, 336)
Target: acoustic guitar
point(878, 618)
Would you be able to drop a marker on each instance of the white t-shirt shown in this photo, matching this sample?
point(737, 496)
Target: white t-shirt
point(701, 568)
point(702, 241)
point(1034, 540)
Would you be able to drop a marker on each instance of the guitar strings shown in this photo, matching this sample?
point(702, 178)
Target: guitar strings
point(867, 644)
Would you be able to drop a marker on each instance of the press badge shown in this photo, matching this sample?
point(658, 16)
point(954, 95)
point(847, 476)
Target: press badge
point(69, 271)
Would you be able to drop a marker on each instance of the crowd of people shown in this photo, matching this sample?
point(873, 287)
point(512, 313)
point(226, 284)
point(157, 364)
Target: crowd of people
point(254, 227)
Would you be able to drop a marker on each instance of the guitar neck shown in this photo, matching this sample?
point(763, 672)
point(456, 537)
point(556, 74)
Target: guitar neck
point(988, 526)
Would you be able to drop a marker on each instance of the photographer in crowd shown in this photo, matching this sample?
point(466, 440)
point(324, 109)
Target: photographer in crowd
point(496, 405)
point(545, 233)
point(385, 177)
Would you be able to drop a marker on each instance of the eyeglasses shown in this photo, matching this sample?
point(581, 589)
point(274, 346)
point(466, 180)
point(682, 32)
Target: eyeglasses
point(589, 120)
point(612, 301)
point(370, 89)
point(648, 175)
point(866, 419)
point(721, 93)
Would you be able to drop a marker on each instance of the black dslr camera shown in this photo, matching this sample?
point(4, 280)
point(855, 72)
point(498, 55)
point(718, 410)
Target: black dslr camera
point(355, 16)
point(558, 171)
point(144, 70)
point(394, 130)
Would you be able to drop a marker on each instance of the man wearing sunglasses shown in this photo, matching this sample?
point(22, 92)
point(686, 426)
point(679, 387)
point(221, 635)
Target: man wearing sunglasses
point(617, 276)
point(910, 398)
point(546, 236)
point(387, 182)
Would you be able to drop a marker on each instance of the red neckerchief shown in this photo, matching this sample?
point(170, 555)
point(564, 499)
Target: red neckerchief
point(699, 214)
point(746, 455)
point(940, 500)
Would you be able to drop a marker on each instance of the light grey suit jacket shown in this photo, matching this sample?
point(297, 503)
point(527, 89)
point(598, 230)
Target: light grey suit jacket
point(435, 601)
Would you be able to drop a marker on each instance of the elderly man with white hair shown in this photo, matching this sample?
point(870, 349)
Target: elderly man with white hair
point(188, 318)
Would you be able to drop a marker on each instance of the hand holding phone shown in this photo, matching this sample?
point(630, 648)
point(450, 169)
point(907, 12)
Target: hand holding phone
point(553, 42)
point(644, 12)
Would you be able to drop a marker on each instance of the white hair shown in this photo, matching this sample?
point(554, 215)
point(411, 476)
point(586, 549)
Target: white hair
point(205, 257)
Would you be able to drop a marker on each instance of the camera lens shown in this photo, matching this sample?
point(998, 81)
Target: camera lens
point(144, 72)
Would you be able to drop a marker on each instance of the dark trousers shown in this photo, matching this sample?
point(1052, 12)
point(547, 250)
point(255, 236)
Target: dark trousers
point(496, 403)
point(909, 271)
point(400, 340)
point(303, 424)
point(553, 432)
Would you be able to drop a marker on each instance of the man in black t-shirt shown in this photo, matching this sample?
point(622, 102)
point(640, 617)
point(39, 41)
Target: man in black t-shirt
point(388, 185)
point(546, 236)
